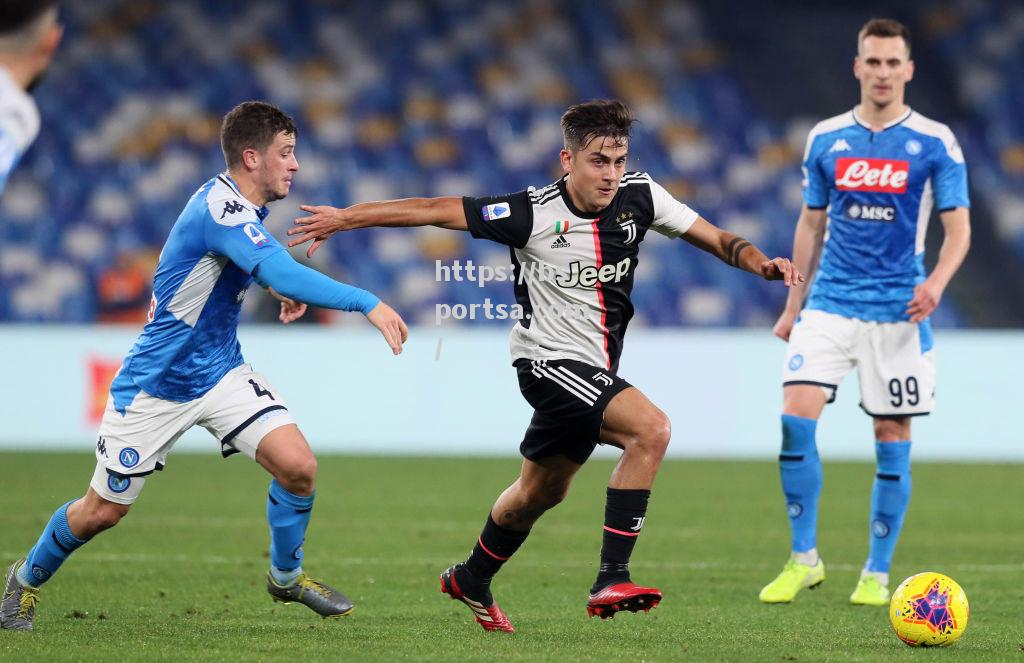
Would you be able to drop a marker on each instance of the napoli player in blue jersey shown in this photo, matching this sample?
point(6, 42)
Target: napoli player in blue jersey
point(29, 35)
point(187, 369)
point(871, 179)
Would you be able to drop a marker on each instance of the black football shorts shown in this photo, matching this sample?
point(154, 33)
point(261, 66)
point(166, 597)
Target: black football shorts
point(568, 398)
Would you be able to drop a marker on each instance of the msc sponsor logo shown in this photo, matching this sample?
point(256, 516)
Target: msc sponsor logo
point(590, 275)
point(858, 212)
point(878, 175)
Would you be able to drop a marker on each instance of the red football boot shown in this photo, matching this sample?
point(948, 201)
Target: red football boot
point(486, 611)
point(622, 596)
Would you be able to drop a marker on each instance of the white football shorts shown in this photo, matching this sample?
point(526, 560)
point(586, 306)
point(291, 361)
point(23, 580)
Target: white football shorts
point(895, 361)
point(239, 411)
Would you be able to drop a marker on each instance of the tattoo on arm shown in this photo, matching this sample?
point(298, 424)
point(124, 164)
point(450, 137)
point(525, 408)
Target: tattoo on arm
point(734, 249)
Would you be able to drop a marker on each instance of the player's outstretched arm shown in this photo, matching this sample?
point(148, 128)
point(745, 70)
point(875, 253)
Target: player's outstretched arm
point(956, 225)
point(807, 242)
point(738, 252)
point(324, 220)
point(297, 282)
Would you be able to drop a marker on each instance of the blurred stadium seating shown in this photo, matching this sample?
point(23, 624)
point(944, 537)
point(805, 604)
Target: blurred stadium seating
point(424, 99)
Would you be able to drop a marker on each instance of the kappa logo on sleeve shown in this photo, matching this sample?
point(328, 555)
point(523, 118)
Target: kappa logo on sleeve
point(254, 234)
point(232, 207)
point(496, 211)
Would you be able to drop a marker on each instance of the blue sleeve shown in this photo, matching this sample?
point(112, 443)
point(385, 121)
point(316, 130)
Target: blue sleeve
point(289, 278)
point(950, 179)
point(246, 243)
point(815, 183)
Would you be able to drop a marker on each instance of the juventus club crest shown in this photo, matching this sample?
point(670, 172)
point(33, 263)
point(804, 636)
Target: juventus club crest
point(628, 224)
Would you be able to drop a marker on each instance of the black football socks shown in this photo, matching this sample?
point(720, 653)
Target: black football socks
point(624, 514)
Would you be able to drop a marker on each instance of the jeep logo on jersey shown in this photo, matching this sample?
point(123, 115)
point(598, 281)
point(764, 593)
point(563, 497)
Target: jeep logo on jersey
point(230, 207)
point(587, 276)
point(496, 211)
point(878, 175)
point(871, 212)
point(254, 234)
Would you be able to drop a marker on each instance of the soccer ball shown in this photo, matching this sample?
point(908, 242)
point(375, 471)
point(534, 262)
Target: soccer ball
point(929, 610)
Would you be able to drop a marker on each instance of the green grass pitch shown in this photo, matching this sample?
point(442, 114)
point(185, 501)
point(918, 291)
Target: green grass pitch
point(181, 578)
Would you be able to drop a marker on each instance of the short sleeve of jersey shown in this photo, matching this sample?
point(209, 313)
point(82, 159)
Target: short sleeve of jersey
point(815, 183)
point(671, 217)
point(950, 176)
point(244, 240)
point(504, 219)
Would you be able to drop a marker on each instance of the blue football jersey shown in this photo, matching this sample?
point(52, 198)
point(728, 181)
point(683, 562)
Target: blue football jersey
point(879, 188)
point(207, 263)
point(19, 124)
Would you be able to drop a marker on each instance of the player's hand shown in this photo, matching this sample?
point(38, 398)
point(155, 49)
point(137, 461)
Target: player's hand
point(384, 318)
point(322, 222)
point(291, 310)
point(927, 296)
point(784, 325)
point(781, 269)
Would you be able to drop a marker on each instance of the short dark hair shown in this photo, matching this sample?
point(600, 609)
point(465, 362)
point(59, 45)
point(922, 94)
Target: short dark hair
point(584, 122)
point(884, 27)
point(252, 125)
point(16, 15)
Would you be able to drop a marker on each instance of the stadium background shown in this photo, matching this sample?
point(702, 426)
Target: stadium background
point(438, 98)
point(417, 98)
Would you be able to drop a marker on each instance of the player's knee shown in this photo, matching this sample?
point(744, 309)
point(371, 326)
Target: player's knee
point(299, 477)
point(543, 495)
point(892, 429)
point(105, 515)
point(554, 492)
point(656, 435)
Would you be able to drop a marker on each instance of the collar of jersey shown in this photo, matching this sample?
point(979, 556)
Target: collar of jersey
point(892, 123)
point(572, 208)
point(261, 212)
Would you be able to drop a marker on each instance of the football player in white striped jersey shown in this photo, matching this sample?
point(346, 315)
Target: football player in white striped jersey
point(585, 229)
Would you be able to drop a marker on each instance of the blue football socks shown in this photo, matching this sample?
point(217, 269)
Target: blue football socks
point(800, 469)
point(889, 499)
point(54, 546)
point(288, 515)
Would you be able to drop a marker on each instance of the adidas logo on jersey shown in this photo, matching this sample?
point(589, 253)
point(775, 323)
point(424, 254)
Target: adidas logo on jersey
point(840, 146)
point(560, 243)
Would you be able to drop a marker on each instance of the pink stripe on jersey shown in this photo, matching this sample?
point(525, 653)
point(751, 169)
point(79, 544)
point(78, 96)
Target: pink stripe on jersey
point(600, 295)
